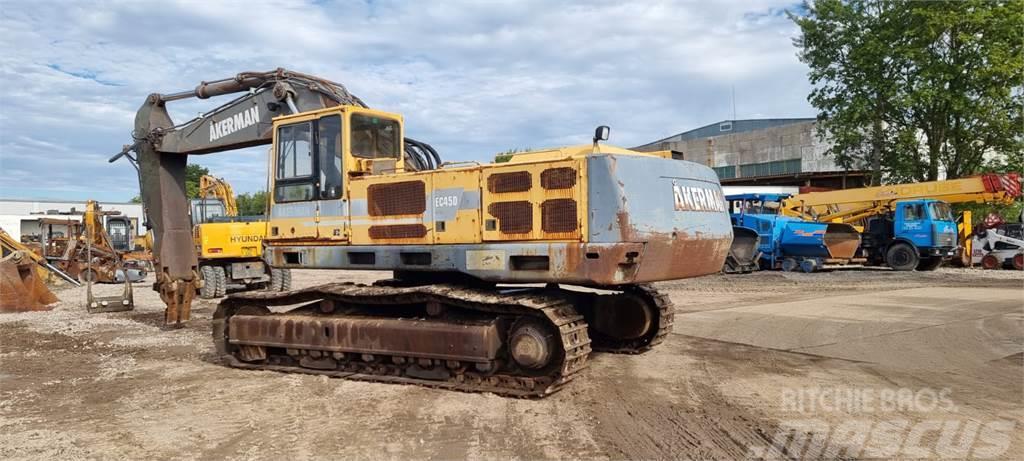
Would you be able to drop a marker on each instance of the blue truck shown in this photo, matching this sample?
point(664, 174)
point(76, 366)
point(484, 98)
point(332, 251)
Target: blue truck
point(912, 234)
point(790, 243)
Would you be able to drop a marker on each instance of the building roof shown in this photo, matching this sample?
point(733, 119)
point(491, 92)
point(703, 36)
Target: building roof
point(725, 127)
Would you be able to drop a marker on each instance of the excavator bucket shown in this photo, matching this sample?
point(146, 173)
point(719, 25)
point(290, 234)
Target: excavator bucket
point(123, 302)
point(743, 254)
point(96, 304)
point(21, 287)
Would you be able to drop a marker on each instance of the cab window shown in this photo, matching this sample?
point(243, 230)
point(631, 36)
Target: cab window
point(914, 212)
point(375, 137)
point(941, 211)
point(329, 156)
point(295, 154)
point(294, 175)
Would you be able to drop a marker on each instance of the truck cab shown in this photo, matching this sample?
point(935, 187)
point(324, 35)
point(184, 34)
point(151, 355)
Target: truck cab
point(915, 234)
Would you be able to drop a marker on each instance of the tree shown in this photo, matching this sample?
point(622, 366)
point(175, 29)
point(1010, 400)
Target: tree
point(254, 204)
point(192, 174)
point(893, 78)
point(964, 81)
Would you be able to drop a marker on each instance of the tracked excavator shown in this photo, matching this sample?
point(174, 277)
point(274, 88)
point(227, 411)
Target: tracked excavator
point(482, 254)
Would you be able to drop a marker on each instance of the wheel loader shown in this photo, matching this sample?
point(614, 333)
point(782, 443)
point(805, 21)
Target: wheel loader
point(506, 276)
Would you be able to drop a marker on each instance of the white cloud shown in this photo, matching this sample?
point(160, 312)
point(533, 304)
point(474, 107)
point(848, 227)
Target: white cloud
point(472, 78)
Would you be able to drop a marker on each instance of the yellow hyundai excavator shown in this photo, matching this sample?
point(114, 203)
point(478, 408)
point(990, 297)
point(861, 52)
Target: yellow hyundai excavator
point(483, 255)
point(229, 246)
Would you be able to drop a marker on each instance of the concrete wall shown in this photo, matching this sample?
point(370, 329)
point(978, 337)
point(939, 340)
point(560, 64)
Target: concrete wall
point(796, 140)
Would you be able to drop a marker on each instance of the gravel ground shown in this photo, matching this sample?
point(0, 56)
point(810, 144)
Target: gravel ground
point(743, 366)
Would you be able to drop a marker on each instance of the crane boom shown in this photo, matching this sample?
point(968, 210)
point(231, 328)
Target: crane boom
point(162, 149)
point(854, 205)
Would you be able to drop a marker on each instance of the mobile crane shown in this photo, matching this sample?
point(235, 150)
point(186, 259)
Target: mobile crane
point(907, 226)
point(349, 191)
point(229, 246)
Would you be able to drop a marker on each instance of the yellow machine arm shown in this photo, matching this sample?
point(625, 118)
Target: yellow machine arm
point(854, 205)
point(219, 189)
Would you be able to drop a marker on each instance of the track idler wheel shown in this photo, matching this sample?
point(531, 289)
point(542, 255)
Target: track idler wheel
point(623, 316)
point(532, 345)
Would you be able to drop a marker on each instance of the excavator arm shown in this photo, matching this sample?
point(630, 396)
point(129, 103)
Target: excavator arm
point(221, 190)
point(162, 147)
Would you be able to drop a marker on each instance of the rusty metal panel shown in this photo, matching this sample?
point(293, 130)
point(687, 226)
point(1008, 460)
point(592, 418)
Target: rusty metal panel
point(513, 217)
point(558, 178)
point(400, 198)
point(515, 181)
point(558, 215)
point(398, 231)
point(476, 342)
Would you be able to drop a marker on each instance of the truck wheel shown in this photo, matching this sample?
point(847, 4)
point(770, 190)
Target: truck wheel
point(222, 281)
point(808, 266)
point(901, 257)
point(929, 264)
point(209, 289)
point(789, 264)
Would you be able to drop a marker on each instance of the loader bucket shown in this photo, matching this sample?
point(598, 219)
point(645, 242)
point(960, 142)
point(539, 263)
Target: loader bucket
point(842, 240)
point(743, 254)
point(21, 287)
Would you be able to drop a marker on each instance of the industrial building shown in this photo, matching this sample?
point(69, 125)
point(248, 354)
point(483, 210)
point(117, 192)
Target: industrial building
point(27, 219)
point(763, 152)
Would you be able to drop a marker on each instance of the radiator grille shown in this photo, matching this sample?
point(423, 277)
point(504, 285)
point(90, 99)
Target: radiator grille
point(516, 181)
point(398, 231)
point(558, 215)
point(558, 178)
point(397, 198)
point(513, 217)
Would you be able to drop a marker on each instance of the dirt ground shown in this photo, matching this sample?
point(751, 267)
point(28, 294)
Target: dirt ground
point(853, 363)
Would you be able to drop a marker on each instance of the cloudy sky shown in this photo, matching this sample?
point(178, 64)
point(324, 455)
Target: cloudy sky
point(471, 78)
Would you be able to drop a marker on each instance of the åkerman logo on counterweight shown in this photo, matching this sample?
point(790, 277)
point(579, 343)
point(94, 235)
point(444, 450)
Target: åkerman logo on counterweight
point(243, 119)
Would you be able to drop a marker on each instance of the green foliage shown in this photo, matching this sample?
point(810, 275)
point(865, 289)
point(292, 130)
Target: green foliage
point(909, 88)
point(254, 204)
point(507, 155)
point(192, 174)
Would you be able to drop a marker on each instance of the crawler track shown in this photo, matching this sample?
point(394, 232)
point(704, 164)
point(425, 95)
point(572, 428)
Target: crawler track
point(665, 318)
point(504, 378)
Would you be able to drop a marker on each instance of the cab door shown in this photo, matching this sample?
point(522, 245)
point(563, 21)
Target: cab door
point(294, 196)
point(332, 203)
point(911, 222)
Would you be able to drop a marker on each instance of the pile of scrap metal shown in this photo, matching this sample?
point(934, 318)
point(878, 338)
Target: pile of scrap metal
point(22, 274)
point(87, 251)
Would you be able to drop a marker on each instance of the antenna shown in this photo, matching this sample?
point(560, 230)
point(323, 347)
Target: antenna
point(734, 102)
